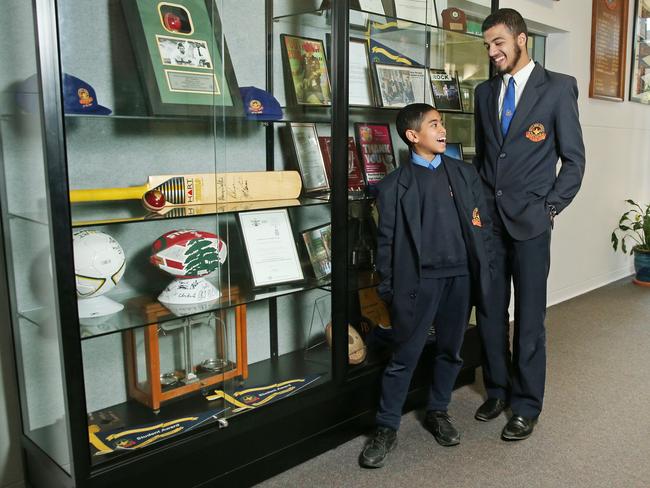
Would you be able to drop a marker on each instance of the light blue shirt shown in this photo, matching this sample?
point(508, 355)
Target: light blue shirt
point(420, 161)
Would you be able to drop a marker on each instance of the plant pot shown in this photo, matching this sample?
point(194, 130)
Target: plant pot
point(642, 267)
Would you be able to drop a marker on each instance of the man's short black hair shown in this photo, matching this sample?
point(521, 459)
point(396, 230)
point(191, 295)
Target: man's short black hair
point(508, 17)
point(411, 117)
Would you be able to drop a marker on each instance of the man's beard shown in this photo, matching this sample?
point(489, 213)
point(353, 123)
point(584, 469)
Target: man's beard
point(514, 62)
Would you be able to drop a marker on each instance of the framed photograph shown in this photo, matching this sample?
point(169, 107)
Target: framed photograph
point(454, 150)
point(400, 85)
point(318, 241)
point(640, 76)
point(356, 182)
point(305, 67)
point(185, 67)
point(309, 157)
point(446, 91)
point(375, 150)
point(270, 247)
point(175, 51)
point(420, 11)
point(608, 45)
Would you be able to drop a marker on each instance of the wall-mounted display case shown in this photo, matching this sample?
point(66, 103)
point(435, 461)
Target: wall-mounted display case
point(189, 223)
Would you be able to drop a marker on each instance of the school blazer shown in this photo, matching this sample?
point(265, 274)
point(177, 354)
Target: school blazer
point(399, 238)
point(519, 171)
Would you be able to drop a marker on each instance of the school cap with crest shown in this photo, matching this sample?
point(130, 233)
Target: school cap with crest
point(260, 104)
point(79, 97)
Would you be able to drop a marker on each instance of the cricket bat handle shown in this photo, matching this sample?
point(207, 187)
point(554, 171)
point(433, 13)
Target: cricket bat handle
point(105, 194)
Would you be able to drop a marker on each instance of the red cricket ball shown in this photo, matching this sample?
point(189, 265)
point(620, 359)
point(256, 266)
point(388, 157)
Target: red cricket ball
point(172, 22)
point(153, 200)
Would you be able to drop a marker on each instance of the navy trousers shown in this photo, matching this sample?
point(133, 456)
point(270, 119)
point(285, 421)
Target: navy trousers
point(517, 377)
point(444, 302)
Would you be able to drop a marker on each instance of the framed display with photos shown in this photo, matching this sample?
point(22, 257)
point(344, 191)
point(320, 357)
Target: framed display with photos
point(318, 241)
point(640, 76)
point(375, 150)
point(454, 150)
point(270, 247)
point(400, 85)
point(309, 157)
point(180, 61)
point(305, 66)
point(608, 45)
point(446, 91)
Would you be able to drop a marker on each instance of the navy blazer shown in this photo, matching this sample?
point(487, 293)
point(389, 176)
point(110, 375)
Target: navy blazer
point(399, 238)
point(519, 172)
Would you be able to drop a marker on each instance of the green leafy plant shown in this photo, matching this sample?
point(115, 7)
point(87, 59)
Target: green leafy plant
point(634, 225)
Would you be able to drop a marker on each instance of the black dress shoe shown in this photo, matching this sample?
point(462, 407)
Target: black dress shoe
point(491, 409)
point(443, 430)
point(518, 428)
point(383, 440)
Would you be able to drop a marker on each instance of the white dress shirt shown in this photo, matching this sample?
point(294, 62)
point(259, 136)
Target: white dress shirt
point(521, 78)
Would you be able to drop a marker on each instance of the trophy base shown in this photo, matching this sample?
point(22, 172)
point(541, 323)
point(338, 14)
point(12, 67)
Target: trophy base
point(188, 291)
point(97, 307)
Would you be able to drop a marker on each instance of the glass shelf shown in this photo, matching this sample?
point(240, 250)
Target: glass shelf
point(323, 115)
point(119, 212)
point(320, 19)
point(142, 310)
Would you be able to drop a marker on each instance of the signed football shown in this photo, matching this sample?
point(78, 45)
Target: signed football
point(188, 253)
point(356, 346)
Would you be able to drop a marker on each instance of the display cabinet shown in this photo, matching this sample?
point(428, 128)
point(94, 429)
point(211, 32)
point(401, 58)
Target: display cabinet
point(190, 229)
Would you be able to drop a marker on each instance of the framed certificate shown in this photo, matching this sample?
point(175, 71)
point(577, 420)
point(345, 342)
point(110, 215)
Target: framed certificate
point(270, 247)
point(186, 69)
point(319, 247)
point(309, 156)
point(305, 68)
point(420, 11)
point(356, 183)
point(608, 45)
point(360, 84)
point(446, 91)
point(400, 85)
point(375, 150)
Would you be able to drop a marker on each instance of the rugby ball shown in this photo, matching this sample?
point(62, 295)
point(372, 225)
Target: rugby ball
point(188, 253)
point(356, 347)
point(99, 262)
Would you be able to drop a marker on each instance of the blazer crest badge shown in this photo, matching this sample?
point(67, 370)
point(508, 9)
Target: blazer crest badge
point(536, 132)
point(476, 218)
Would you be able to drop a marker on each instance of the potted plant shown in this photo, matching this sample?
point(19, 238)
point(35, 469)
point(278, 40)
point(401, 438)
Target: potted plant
point(634, 225)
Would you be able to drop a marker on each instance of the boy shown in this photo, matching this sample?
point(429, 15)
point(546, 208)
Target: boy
point(432, 253)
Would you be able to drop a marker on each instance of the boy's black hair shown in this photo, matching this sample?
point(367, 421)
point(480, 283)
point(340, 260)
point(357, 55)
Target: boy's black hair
point(411, 117)
point(508, 17)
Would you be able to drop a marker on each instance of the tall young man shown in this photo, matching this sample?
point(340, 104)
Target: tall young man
point(526, 120)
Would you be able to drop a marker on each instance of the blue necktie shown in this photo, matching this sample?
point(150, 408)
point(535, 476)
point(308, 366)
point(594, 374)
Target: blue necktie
point(508, 110)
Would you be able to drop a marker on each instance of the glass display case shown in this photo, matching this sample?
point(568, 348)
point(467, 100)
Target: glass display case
point(190, 226)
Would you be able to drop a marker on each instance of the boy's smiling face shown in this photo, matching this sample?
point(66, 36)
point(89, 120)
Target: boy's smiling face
point(431, 139)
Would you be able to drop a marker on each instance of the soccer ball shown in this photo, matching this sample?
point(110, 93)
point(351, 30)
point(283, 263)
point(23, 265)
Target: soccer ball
point(98, 262)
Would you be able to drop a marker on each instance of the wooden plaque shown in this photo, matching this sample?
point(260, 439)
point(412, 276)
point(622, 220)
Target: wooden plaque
point(608, 44)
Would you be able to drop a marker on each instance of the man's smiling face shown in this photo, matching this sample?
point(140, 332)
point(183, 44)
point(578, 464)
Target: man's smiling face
point(504, 49)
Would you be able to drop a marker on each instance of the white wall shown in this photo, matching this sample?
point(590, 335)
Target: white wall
point(617, 139)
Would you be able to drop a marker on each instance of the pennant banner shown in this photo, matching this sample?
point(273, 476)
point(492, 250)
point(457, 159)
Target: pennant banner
point(137, 437)
point(380, 53)
point(250, 398)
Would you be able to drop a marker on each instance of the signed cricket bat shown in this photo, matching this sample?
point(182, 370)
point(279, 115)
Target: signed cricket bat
point(196, 189)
